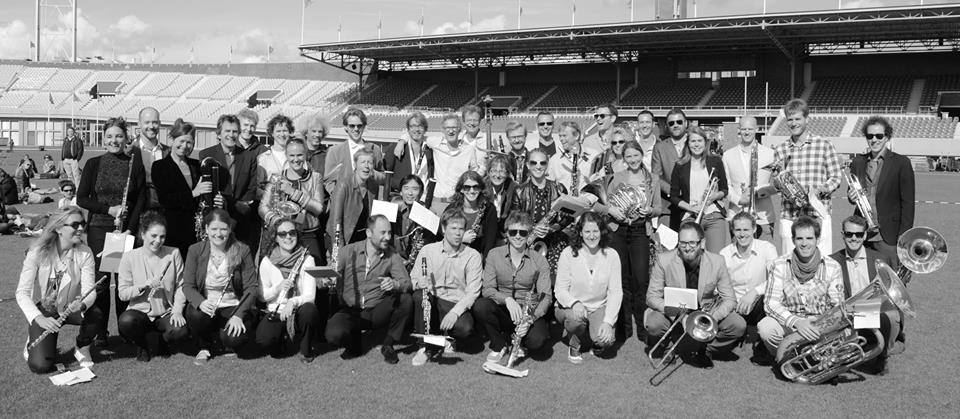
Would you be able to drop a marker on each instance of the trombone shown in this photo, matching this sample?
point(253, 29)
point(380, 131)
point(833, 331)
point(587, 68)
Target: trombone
point(697, 324)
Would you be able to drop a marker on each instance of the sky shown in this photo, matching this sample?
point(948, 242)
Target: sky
point(205, 31)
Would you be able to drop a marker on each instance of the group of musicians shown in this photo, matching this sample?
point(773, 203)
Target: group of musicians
point(231, 258)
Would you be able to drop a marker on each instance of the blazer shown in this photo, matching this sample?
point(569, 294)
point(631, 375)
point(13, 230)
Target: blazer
point(340, 154)
point(243, 186)
point(243, 277)
point(36, 272)
point(137, 195)
point(872, 256)
point(680, 186)
point(661, 164)
point(736, 176)
point(345, 208)
point(896, 190)
point(399, 168)
point(173, 192)
point(714, 285)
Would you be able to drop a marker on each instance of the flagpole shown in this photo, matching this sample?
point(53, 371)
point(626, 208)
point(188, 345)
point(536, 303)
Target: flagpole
point(421, 21)
point(379, 24)
point(340, 27)
point(519, 13)
point(303, 18)
point(573, 16)
point(469, 16)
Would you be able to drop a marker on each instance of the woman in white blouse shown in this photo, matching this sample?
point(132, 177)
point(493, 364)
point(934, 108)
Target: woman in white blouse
point(58, 268)
point(588, 288)
point(151, 279)
point(289, 293)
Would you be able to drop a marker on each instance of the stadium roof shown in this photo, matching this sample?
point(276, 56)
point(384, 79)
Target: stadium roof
point(932, 27)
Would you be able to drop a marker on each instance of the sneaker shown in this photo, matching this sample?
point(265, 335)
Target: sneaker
point(496, 356)
point(574, 356)
point(306, 359)
point(598, 351)
point(83, 357)
point(26, 353)
point(420, 358)
point(448, 348)
point(698, 360)
point(202, 357)
point(389, 354)
point(521, 353)
point(143, 355)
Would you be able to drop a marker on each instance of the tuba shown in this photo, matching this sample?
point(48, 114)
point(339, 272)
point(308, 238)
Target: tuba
point(862, 201)
point(840, 347)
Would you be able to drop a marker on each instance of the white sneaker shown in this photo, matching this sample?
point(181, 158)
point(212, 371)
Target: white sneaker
point(420, 358)
point(83, 356)
point(574, 356)
point(202, 357)
point(448, 348)
point(26, 353)
point(496, 356)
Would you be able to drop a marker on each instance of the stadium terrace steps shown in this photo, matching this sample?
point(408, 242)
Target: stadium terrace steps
point(915, 126)
point(822, 125)
point(180, 85)
point(730, 93)
point(667, 93)
point(155, 83)
point(33, 78)
point(861, 92)
point(579, 95)
point(8, 74)
point(66, 80)
point(208, 86)
point(936, 84)
point(394, 92)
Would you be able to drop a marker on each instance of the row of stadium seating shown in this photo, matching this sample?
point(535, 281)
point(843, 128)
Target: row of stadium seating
point(912, 126)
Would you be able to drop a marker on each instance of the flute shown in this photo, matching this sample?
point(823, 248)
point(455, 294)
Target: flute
point(63, 317)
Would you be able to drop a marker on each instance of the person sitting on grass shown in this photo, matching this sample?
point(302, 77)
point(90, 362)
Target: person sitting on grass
point(25, 172)
point(9, 192)
point(68, 191)
point(48, 168)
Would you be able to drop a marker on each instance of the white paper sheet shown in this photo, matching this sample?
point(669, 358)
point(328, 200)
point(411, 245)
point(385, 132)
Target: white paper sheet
point(114, 246)
point(866, 314)
point(680, 297)
point(70, 378)
point(425, 218)
point(817, 205)
point(668, 237)
point(387, 209)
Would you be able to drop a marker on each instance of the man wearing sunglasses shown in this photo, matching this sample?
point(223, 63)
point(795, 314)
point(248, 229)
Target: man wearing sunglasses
point(858, 266)
point(606, 116)
point(546, 141)
point(339, 164)
point(666, 153)
point(887, 177)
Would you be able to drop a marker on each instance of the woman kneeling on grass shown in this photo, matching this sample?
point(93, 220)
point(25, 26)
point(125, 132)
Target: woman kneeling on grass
point(220, 283)
point(588, 288)
point(151, 279)
point(289, 294)
point(57, 270)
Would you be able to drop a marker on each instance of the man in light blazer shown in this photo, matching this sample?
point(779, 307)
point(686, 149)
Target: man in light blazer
point(339, 163)
point(690, 266)
point(666, 153)
point(736, 164)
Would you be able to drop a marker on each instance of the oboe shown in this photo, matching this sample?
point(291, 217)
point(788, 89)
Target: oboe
point(65, 314)
point(427, 307)
point(118, 222)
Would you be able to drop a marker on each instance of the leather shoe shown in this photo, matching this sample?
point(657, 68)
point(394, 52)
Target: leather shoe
point(698, 360)
point(389, 354)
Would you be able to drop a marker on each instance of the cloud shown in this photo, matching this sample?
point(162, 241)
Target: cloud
point(129, 25)
point(15, 40)
point(252, 45)
point(495, 23)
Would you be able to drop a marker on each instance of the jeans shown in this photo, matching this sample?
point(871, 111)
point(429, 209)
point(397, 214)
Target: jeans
point(202, 326)
point(71, 168)
point(633, 246)
point(729, 330)
point(136, 325)
point(583, 332)
point(439, 308)
point(42, 357)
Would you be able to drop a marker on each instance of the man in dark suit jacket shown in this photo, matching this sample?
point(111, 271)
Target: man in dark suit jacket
point(400, 158)
point(858, 265)
point(665, 156)
point(887, 177)
point(240, 188)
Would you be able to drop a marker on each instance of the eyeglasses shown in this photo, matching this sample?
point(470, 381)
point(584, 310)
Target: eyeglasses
point(355, 126)
point(536, 163)
point(287, 233)
point(517, 232)
point(690, 243)
point(545, 124)
point(497, 172)
point(675, 122)
point(877, 136)
point(471, 188)
point(76, 225)
point(600, 115)
point(857, 234)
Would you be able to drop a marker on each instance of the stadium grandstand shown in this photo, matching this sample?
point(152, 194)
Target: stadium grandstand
point(847, 64)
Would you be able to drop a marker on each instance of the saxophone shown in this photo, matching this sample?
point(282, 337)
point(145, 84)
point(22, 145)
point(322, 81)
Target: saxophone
point(121, 217)
point(523, 326)
point(862, 201)
point(417, 243)
point(292, 277)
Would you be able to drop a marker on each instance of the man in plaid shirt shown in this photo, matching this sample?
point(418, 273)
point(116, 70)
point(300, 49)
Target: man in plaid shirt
point(815, 164)
point(802, 285)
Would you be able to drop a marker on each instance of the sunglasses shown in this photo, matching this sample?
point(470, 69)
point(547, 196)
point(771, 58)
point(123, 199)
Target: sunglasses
point(676, 122)
point(517, 232)
point(536, 163)
point(287, 233)
point(76, 225)
point(68, 190)
point(545, 124)
point(355, 126)
point(471, 188)
point(857, 234)
point(600, 115)
point(872, 136)
point(617, 142)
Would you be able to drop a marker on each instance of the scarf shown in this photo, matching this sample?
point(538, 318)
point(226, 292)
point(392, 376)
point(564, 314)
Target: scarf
point(805, 271)
point(285, 263)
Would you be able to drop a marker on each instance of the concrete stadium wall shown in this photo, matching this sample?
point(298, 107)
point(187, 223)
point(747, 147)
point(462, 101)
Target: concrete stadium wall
point(294, 71)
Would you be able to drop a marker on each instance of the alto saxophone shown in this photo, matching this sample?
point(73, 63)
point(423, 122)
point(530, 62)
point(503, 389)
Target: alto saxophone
point(862, 200)
point(523, 326)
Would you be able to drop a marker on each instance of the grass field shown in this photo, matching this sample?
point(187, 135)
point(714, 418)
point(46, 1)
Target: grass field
point(921, 382)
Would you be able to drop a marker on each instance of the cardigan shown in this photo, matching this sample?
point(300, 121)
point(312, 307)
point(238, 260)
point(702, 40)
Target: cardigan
point(600, 288)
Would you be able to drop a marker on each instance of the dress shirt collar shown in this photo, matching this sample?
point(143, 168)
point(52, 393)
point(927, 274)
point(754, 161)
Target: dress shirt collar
point(861, 255)
point(227, 151)
point(145, 145)
point(880, 156)
point(356, 145)
point(805, 138)
point(677, 142)
point(751, 250)
point(454, 253)
point(524, 255)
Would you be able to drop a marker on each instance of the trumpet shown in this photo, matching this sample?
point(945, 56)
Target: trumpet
point(862, 200)
point(710, 190)
point(839, 347)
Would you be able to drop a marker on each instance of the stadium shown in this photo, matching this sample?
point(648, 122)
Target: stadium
point(849, 64)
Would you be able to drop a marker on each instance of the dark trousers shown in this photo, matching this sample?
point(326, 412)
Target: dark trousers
point(313, 240)
point(137, 326)
point(271, 330)
point(96, 236)
point(249, 226)
point(633, 246)
point(495, 318)
point(756, 313)
point(439, 308)
point(202, 326)
point(729, 331)
point(345, 327)
point(42, 358)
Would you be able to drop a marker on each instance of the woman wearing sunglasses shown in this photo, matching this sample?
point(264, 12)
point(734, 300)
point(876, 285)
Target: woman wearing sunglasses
point(470, 198)
point(535, 197)
point(588, 288)
point(108, 181)
point(288, 293)
point(511, 274)
point(611, 161)
point(151, 280)
point(58, 269)
point(502, 185)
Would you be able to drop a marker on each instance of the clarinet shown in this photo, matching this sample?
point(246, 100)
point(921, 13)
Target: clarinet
point(427, 308)
point(575, 173)
point(118, 222)
point(282, 297)
point(63, 317)
point(417, 244)
point(335, 252)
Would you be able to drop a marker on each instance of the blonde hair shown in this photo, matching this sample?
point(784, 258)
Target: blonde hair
point(49, 236)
